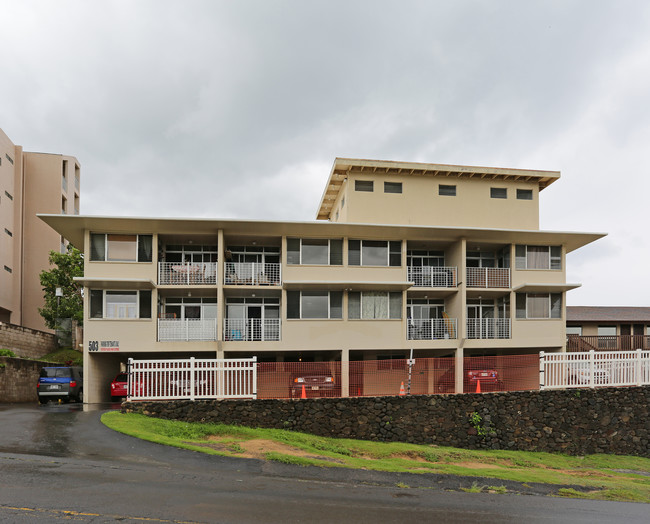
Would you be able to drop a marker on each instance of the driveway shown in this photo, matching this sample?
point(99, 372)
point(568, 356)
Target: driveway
point(58, 462)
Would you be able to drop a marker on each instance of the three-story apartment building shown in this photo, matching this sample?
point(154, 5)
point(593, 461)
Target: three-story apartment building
point(439, 259)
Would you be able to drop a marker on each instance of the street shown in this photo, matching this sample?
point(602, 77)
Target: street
point(58, 462)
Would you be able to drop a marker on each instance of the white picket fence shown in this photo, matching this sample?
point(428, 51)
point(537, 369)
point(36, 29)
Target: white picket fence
point(192, 379)
point(594, 369)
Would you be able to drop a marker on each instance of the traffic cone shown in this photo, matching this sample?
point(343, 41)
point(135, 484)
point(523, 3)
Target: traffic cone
point(401, 390)
point(478, 386)
point(304, 393)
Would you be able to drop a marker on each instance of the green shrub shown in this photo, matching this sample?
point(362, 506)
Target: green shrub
point(7, 353)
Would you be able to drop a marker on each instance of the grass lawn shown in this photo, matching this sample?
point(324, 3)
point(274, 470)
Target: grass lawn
point(605, 477)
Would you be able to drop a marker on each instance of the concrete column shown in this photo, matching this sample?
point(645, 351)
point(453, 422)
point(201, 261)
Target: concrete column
point(345, 372)
point(460, 353)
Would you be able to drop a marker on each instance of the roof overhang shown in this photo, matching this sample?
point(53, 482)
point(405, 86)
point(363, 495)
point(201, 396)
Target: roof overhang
point(116, 283)
point(341, 285)
point(345, 166)
point(545, 288)
point(73, 227)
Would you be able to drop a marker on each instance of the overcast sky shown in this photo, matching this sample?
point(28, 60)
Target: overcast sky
point(237, 109)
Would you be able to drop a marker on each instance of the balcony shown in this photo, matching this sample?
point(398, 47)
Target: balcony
point(488, 328)
point(607, 343)
point(431, 276)
point(432, 328)
point(251, 329)
point(488, 277)
point(253, 274)
point(186, 329)
point(187, 273)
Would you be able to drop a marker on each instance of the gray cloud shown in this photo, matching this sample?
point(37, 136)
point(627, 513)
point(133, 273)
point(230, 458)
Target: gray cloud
point(237, 109)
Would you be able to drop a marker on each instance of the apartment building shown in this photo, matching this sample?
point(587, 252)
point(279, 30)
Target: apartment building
point(439, 259)
point(30, 183)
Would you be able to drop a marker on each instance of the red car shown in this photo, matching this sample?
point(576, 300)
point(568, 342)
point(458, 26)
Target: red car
point(313, 386)
point(118, 387)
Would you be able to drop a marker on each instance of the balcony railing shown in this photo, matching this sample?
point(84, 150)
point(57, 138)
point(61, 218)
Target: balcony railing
point(487, 277)
point(187, 273)
point(252, 329)
point(609, 342)
point(432, 328)
point(431, 276)
point(179, 329)
point(488, 328)
point(253, 274)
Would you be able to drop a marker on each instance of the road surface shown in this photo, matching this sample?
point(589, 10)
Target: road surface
point(59, 463)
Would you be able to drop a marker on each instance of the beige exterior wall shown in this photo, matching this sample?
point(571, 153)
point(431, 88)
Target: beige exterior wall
point(35, 181)
point(419, 203)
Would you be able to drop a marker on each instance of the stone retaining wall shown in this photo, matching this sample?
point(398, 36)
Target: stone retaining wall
point(18, 379)
point(26, 342)
point(606, 420)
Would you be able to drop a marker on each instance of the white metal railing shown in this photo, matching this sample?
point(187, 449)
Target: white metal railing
point(253, 273)
point(432, 328)
point(487, 277)
point(432, 276)
point(187, 273)
point(488, 328)
point(594, 369)
point(251, 329)
point(192, 379)
point(177, 329)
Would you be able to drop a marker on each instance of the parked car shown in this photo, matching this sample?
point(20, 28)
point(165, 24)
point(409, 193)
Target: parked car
point(60, 383)
point(580, 374)
point(313, 386)
point(119, 386)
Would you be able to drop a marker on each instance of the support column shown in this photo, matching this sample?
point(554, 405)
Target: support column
point(460, 353)
point(345, 372)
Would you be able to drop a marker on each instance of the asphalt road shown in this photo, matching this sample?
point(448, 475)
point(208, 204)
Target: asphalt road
point(59, 463)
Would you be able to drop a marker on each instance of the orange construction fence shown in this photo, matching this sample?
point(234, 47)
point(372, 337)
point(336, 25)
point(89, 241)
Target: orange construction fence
point(426, 376)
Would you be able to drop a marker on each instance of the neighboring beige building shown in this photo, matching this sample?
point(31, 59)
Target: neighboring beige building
point(444, 260)
point(607, 327)
point(30, 183)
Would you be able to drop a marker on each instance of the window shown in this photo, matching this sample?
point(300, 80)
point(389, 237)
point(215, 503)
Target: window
point(574, 330)
point(190, 307)
point(498, 192)
point(342, 202)
point(9, 196)
point(445, 190)
point(374, 253)
point(538, 257)
point(363, 185)
point(392, 187)
point(11, 160)
point(315, 251)
point(8, 269)
point(539, 305)
point(374, 305)
point(314, 304)
point(606, 331)
point(120, 304)
point(524, 194)
point(121, 248)
point(8, 232)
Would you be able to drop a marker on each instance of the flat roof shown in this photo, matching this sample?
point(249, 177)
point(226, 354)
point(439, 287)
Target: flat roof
point(343, 166)
point(72, 227)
